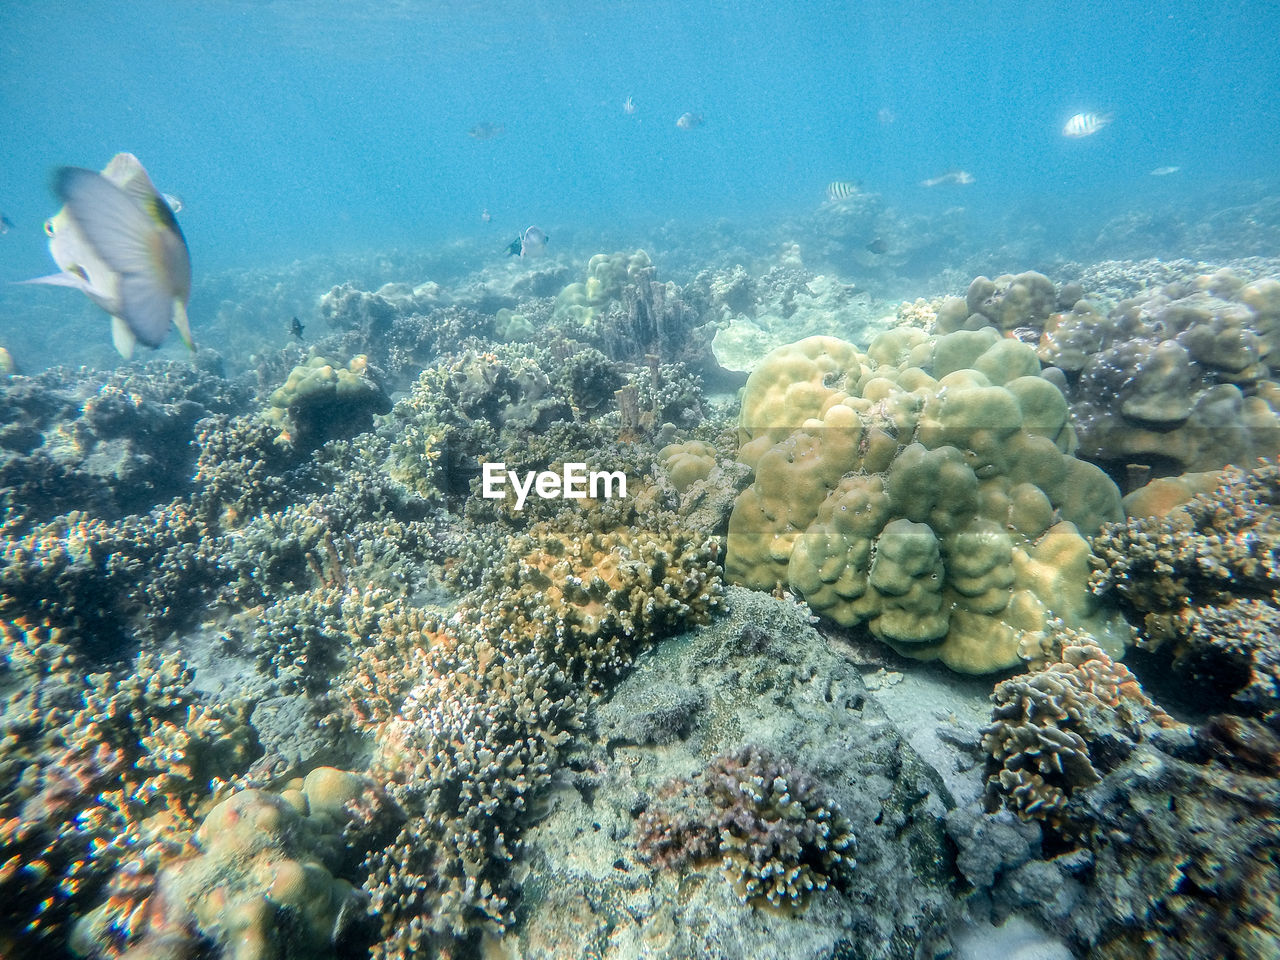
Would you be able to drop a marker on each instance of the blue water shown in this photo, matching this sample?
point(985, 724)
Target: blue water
point(299, 127)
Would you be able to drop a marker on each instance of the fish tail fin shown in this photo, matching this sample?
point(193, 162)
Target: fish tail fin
point(59, 280)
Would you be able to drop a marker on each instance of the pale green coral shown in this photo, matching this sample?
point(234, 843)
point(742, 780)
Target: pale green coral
point(607, 277)
point(321, 393)
point(906, 489)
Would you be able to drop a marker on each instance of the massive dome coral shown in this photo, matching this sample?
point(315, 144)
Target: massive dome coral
point(925, 488)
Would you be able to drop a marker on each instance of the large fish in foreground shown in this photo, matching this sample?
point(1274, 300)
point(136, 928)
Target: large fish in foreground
point(116, 240)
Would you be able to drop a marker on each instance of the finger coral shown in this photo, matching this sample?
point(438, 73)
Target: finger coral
point(98, 772)
point(768, 824)
point(1203, 580)
point(1058, 729)
point(498, 693)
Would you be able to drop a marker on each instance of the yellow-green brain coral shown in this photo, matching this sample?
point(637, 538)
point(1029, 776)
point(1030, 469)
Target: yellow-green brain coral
point(925, 488)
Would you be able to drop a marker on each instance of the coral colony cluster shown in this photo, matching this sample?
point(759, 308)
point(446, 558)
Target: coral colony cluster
point(280, 683)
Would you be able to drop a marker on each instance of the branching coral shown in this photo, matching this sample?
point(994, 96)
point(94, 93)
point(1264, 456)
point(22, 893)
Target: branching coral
point(1058, 729)
point(260, 864)
point(1204, 580)
point(770, 825)
point(497, 696)
point(105, 444)
point(99, 772)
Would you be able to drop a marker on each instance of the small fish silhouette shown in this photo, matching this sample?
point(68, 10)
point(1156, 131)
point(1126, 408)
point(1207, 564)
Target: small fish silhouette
point(296, 328)
point(842, 189)
point(1085, 124)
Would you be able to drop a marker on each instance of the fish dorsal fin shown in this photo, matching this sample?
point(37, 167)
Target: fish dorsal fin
point(127, 173)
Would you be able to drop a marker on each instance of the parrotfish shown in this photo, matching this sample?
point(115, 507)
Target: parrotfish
point(116, 240)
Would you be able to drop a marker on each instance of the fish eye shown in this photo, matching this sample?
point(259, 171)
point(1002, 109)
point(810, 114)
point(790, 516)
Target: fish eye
point(48, 226)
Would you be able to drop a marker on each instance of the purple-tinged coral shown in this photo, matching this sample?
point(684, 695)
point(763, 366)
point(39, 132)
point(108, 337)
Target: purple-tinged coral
point(771, 826)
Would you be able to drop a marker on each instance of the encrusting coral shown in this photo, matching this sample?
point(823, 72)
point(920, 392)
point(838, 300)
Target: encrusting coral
point(925, 488)
point(768, 824)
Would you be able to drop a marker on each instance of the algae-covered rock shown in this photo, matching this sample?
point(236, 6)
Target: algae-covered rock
point(616, 867)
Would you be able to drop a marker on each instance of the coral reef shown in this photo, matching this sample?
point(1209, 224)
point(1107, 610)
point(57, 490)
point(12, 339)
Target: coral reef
point(319, 402)
point(607, 277)
point(1175, 378)
point(102, 579)
point(924, 488)
point(256, 880)
point(280, 683)
point(99, 774)
point(1010, 303)
point(1154, 833)
point(1060, 728)
point(463, 409)
point(106, 444)
point(758, 676)
point(770, 825)
point(495, 699)
point(1203, 580)
point(607, 586)
point(688, 462)
point(400, 327)
point(626, 312)
point(789, 303)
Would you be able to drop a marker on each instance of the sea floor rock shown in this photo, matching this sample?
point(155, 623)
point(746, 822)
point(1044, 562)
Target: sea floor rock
point(761, 676)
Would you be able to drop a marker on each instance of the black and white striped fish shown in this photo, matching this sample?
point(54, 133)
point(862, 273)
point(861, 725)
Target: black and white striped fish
point(1085, 124)
point(843, 189)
